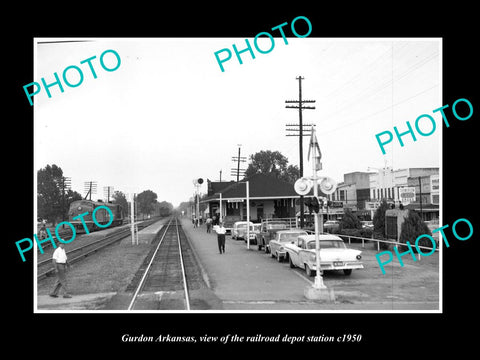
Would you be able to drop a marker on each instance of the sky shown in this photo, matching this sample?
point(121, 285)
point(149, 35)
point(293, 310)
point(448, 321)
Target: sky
point(169, 115)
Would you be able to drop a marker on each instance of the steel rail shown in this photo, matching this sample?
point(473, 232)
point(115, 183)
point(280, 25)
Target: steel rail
point(147, 270)
point(82, 247)
point(106, 241)
point(140, 285)
point(185, 285)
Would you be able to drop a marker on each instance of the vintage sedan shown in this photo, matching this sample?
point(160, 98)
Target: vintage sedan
point(282, 237)
point(254, 230)
point(268, 230)
point(331, 225)
point(334, 255)
point(239, 229)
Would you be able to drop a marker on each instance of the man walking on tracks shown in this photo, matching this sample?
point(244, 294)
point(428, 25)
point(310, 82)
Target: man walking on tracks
point(221, 231)
point(60, 263)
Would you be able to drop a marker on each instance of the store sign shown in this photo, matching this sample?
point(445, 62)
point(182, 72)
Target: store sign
point(235, 200)
point(407, 195)
point(372, 205)
point(336, 204)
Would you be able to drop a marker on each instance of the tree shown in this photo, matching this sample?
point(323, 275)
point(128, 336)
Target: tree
point(292, 174)
point(350, 221)
point(379, 224)
point(164, 208)
point(48, 192)
point(184, 206)
point(120, 198)
point(413, 226)
point(146, 201)
point(274, 163)
point(50, 203)
point(379, 219)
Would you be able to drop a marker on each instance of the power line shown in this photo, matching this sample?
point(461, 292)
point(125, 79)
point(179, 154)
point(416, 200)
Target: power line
point(357, 120)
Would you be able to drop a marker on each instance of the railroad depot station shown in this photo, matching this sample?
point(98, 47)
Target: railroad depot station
point(361, 192)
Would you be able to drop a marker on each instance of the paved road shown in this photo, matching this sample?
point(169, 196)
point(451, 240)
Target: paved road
point(251, 280)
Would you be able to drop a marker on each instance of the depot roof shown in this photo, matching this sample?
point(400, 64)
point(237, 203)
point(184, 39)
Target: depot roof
point(261, 186)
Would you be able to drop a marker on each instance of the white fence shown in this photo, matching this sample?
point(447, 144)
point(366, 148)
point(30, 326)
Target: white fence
point(384, 241)
point(291, 222)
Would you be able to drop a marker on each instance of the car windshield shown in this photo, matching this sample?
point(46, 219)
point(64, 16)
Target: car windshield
point(327, 244)
point(290, 236)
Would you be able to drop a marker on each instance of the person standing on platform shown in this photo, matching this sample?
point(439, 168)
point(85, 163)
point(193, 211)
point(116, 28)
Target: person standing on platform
point(60, 263)
point(221, 231)
point(208, 222)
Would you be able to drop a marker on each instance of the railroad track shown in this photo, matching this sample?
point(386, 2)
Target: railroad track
point(168, 274)
point(45, 267)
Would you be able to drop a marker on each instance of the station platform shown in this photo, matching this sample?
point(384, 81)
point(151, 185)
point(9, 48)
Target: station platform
point(146, 235)
point(246, 278)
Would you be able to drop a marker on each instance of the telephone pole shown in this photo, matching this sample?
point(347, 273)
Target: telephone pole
point(294, 129)
point(300, 107)
point(238, 159)
point(107, 191)
point(90, 187)
point(66, 185)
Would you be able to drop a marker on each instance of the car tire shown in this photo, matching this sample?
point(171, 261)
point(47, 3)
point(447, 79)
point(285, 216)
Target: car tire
point(347, 271)
point(290, 262)
point(279, 258)
point(271, 254)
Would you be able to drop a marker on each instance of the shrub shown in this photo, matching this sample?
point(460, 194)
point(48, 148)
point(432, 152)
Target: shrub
point(350, 221)
point(413, 227)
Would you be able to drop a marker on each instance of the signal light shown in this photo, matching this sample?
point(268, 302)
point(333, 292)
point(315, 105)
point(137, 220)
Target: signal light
point(313, 204)
point(198, 181)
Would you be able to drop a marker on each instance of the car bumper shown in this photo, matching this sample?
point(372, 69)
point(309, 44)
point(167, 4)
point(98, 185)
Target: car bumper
point(346, 265)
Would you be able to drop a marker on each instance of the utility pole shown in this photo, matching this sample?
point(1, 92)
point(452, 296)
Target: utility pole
point(420, 185)
point(132, 220)
point(107, 190)
point(294, 129)
point(238, 159)
point(300, 107)
point(90, 187)
point(66, 185)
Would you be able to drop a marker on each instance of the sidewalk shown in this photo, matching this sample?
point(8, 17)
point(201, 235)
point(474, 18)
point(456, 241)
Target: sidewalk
point(247, 279)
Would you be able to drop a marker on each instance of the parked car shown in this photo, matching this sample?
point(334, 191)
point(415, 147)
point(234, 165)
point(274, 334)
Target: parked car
point(282, 237)
point(331, 225)
point(254, 230)
point(334, 255)
point(367, 224)
point(267, 232)
point(228, 222)
point(239, 229)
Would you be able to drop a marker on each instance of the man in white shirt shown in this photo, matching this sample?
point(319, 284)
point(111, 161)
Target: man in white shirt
point(221, 231)
point(60, 263)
